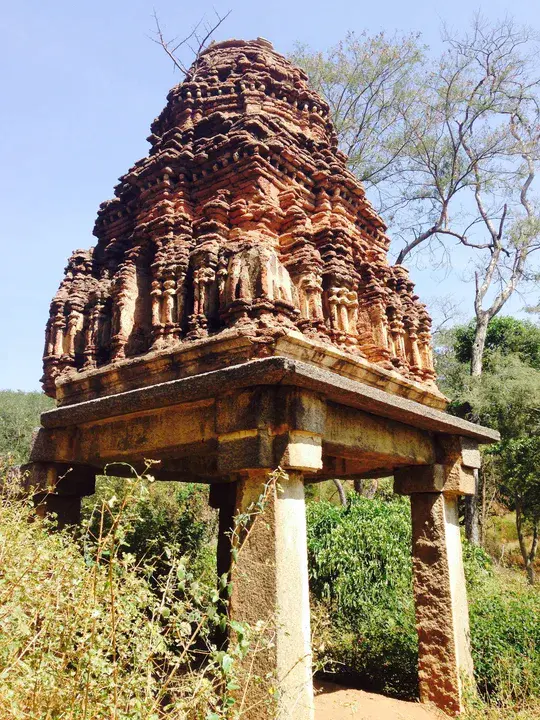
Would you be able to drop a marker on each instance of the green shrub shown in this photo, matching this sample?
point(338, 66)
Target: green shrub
point(505, 631)
point(19, 416)
point(170, 514)
point(360, 570)
point(477, 564)
point(505, 635)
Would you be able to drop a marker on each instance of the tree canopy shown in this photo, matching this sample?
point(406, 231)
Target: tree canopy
point(507, 397)
point(506, 336)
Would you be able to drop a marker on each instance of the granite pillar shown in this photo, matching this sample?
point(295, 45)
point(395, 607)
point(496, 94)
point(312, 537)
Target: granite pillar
point(442, 618)
point(270, 593)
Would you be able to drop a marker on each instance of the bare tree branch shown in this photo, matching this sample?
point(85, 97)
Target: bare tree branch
point(172, 47)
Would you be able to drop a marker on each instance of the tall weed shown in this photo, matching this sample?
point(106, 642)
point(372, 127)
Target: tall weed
point(85, 635)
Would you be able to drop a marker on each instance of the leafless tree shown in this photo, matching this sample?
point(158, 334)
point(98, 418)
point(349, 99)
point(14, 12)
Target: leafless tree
point(368, 83)
point(445, 310)
point(449, 148)
point(341, 491)
point(499, 130)
point(476, 160)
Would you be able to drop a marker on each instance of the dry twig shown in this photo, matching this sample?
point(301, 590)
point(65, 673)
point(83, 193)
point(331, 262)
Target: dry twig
point(196, 40)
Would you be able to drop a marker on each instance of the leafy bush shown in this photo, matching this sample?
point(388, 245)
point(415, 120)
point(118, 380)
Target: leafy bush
point(477, 564)
point(361, 583)
point(505, 636)
point(170, 514)
point(360, 571)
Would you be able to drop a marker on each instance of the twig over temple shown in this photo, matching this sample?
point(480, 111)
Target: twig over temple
point(196, 41)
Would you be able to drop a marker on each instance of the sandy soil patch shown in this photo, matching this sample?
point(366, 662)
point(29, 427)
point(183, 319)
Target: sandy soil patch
point(334, 702)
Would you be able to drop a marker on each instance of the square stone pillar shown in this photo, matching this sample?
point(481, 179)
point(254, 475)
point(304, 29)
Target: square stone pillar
point(270, 589)
point(442, 616)
point(58, 488)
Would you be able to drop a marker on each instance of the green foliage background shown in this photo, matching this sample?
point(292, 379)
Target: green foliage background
point(169, 515)
point(507, 336)
point(361, 578)
point(361, 581)
point(19, 416)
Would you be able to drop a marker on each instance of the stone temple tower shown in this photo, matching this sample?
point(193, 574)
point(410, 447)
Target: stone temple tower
point(243, 220)
point(237, 314)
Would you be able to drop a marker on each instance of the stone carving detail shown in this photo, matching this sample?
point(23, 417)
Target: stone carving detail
point(343, 311)
point(242, 217)
point(310, 297)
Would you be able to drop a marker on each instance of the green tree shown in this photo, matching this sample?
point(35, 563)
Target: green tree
point(19, 416)
point(507, 397)
point(520, 463)
point(504, 335)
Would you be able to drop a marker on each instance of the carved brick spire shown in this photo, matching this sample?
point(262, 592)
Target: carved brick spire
point(243, 217)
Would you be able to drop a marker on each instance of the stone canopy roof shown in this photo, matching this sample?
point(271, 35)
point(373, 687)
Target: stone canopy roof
point(242, 221)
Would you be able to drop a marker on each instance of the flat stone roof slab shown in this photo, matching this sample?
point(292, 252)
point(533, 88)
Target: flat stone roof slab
point(269, 371)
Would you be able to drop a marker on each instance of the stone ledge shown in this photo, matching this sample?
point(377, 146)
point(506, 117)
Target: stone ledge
point(229, 347)
point(269, 371)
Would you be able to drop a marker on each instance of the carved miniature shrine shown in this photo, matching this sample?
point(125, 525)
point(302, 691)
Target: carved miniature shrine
point(238, 313)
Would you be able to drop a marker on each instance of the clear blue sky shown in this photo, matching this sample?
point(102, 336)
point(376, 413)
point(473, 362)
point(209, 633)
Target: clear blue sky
point(81, 85)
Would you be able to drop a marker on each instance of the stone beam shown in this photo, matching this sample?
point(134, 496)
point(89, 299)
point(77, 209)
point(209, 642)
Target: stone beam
point(262, 427)
point(354, 434)
point(269, 371)
point(254, 428)
point(452, 480)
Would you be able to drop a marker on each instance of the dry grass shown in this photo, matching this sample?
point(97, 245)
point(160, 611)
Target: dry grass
point(86, 634)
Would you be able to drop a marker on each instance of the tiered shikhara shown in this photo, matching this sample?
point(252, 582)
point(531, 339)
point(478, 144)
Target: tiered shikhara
point(243, 221)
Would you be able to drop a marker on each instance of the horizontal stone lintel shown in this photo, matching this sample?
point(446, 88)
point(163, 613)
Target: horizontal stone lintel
point(269, 371)
point(294, 429)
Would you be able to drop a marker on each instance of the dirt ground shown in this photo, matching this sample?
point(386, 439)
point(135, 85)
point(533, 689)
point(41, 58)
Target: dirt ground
point(333, 702)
